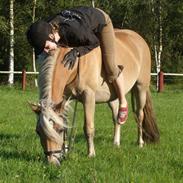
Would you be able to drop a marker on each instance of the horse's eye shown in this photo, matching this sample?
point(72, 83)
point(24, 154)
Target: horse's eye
point(57, 127)
point(60, 130)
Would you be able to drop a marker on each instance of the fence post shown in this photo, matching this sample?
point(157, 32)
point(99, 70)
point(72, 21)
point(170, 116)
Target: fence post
point(23, 79)
point(161, 81)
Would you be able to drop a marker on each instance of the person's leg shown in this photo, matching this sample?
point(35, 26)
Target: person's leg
point(114, 73)
point(123, 106)
point(118, 84)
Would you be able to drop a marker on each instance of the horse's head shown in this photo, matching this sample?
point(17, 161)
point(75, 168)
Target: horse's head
point(51, 128)
point(52, 107)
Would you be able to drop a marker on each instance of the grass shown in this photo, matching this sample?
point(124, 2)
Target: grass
point(22, 158)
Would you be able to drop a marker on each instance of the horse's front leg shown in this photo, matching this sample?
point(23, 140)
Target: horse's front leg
point(89, 111)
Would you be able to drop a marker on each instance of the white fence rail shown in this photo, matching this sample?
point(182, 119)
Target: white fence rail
point(35, 73)
point(17, 72)
point(159, 78)
point(168, 74)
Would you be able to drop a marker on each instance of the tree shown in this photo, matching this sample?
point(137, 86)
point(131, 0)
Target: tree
point(33, 51)
point(4, 37)
point(93, 3)
point(11, 56)
point(158, 37)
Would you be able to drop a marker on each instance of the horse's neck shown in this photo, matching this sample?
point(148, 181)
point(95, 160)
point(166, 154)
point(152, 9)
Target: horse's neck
point(61, 77)
point(89, 70)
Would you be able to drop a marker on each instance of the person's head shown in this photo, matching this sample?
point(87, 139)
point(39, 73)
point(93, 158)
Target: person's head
point(42, 37)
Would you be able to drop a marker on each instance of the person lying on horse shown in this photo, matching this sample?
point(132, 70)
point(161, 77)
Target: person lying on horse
point(83, 28)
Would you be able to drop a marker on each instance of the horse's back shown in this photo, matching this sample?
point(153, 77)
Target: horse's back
point(131, 51)
point(131, 48)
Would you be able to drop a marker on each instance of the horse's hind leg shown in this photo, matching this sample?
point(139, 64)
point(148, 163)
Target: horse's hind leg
point(89, 110)
point(140, 95)
point(114, 105)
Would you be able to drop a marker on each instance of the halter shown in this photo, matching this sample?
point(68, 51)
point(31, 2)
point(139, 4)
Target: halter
point(49, 153)
point(68, 141)
point(58, 154)
point(61, 153)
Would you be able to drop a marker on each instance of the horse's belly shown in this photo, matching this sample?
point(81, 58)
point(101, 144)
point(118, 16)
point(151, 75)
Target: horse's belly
point(104, 93)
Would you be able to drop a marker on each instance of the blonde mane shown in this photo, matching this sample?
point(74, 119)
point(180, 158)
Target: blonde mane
point(46, 70)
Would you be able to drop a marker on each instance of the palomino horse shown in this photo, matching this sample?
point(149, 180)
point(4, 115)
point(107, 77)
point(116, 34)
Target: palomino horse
point(87, 83)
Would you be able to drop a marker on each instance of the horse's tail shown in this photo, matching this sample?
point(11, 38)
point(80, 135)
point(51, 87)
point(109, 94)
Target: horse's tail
point(149, 125)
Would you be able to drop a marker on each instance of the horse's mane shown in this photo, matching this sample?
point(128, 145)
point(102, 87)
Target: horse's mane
point(46, 71)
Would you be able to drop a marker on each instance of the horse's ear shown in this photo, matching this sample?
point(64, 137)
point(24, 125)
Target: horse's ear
point(35, 107)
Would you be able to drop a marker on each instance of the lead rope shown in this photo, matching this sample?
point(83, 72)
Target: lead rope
point(73, 129)
point(69, 141)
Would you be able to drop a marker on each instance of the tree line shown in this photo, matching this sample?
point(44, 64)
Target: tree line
point(160, 22)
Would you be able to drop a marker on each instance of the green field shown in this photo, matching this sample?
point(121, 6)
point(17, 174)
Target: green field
point(22, 159)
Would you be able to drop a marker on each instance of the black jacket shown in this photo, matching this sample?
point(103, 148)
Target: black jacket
point(79, 28)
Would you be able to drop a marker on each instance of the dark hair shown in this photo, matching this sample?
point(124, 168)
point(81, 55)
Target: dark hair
point(37, 34)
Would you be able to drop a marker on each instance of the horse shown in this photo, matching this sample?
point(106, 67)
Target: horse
point(87, 82)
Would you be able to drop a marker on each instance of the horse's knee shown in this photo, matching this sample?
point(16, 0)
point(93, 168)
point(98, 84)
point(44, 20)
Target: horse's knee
point(140, 115)
point(89, 131)
point(114, 105)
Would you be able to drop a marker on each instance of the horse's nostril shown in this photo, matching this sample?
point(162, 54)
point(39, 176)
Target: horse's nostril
point(53, 160)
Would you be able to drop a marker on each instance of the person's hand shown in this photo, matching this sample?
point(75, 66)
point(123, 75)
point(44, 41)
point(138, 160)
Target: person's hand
point(70, 58)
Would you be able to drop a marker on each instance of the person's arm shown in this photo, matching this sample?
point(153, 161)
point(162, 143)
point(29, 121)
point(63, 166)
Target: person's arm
point(92, 42)
point(70, 58)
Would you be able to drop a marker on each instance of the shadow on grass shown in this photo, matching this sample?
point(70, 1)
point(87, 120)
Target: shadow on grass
point(9, 136)
point(21, 156)
point(80, 138)
point(176, 164)
point(14, 152)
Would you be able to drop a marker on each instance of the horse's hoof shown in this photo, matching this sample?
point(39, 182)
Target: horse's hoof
point(91, 155)
point(117, 144)
point(141, 145)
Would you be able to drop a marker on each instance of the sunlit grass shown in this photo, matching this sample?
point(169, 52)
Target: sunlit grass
point(22, 159)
